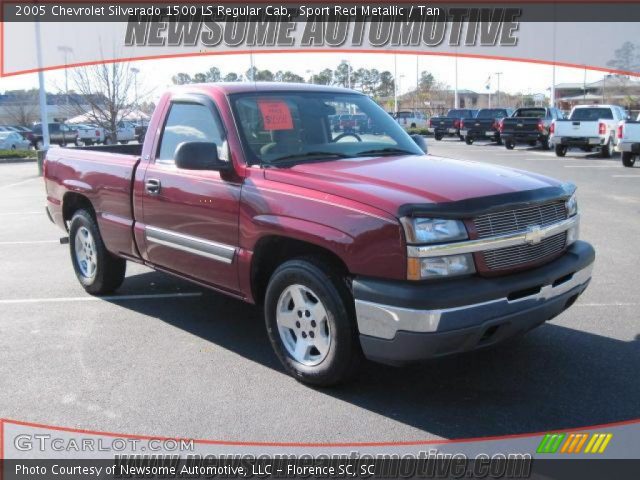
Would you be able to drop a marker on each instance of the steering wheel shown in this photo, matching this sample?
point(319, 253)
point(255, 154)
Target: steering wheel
point(347, 134)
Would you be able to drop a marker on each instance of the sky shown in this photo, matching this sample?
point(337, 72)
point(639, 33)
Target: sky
point(155, 75)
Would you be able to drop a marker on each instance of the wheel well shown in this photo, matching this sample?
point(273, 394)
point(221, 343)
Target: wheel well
point(72, 202)
point(273, 251)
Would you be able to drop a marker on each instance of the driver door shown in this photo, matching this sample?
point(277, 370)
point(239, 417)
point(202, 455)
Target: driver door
point(191, 216)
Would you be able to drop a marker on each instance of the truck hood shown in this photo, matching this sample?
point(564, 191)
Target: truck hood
point(387, 183)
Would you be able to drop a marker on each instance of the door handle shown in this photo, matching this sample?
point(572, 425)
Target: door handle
point(152, 186)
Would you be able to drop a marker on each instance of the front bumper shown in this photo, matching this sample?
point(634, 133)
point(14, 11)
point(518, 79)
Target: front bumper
point(401, 322)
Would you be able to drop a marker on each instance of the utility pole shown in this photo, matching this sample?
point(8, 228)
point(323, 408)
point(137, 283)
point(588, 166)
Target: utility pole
point(395, 83)
point(415, 98)
point(312, 79)
point(455, 93)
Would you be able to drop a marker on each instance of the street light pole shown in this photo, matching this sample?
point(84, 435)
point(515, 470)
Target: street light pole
point(66, 51)
point(135, 72)
point(498, 85)
point(42, 94)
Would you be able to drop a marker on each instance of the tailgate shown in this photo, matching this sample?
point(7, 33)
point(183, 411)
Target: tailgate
point(576, 128)
point(517, 125)
point(631, 132)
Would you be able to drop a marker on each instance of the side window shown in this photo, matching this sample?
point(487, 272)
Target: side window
point(190, 122)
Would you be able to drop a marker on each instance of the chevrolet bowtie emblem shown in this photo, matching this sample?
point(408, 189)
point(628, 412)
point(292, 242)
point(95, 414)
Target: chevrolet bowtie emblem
point(534, 235)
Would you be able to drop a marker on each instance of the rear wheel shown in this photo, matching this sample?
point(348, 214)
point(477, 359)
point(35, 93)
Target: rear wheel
point(605, 151)
point(311, 324)
point(468, 140)
point(437, 136)
point(509, 144)
point(561, 150)
point(546, 145)
point(628, 159)
point(97, 270)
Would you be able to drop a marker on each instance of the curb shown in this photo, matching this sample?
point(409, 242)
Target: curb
point(17, 160)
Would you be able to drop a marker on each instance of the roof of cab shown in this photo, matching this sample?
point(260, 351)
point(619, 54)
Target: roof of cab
point(229, 88)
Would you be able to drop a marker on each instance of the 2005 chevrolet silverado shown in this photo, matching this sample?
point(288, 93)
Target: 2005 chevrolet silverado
point(356, 245)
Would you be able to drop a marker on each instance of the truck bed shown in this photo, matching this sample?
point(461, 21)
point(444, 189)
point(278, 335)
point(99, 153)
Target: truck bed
point(104, 175)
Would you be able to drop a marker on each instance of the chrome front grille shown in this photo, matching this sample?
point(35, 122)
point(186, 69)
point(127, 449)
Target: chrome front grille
point(517, 221)
point(512, 257)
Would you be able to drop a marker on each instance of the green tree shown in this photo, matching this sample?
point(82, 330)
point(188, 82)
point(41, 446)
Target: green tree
point(232, 77)
point(213, 74)
point(325, 77)
point(181, 79)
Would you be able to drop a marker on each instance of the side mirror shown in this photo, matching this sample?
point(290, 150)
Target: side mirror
point(420, 141)
point(199, 156)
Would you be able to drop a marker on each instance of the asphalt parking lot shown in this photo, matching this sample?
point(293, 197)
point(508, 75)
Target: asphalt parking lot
point(168, 358)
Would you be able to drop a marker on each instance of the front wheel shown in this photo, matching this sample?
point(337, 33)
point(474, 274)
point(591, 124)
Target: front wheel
point(97, 270)
point(437, 136)
point(509, 144)
point(311, 323)
point(561, 150)
point(628, 159)
point(468, 140)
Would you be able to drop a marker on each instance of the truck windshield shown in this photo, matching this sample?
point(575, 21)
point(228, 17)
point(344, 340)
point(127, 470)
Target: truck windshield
point(280, 128)
point(591, 114)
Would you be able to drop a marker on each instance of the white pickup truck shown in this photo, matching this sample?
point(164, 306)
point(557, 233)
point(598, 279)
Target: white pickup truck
point(588, 127)
point(629, 141)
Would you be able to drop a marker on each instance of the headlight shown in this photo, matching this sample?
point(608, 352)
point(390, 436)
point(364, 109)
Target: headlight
point(433, 230)
point(439, 267)
point(572, 206)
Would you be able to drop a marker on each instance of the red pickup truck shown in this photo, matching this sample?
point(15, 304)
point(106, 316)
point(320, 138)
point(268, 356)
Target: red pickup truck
point(355, 244)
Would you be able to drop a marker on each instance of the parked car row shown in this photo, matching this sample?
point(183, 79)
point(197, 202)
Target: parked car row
point(606, 128)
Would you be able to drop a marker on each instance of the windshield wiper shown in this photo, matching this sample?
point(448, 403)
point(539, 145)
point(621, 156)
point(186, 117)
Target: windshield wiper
point(387, 151)
point(315, 156)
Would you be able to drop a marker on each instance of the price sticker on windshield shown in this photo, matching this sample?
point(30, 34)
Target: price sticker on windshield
point(275, 115)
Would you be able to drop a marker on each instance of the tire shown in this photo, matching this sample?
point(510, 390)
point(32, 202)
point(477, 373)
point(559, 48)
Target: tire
point(13, 147)
point(628, 159)
point(97, 270)
point(561, 150)
point(308, 283)
point(468, 140)
point(509, 144)
point(39, 145)
point(437, 136)
point(413, 125)
point(605, 150)
point(546, 145)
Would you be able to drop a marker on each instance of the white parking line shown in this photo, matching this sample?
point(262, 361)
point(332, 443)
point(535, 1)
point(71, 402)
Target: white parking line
point(18, 183)
point(21, 213)
point(96, 299)
point(615, 304)
point(30, 242)
point(591, 166)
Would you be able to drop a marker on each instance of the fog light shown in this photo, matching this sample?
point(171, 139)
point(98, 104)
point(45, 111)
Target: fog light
point(448, 266)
